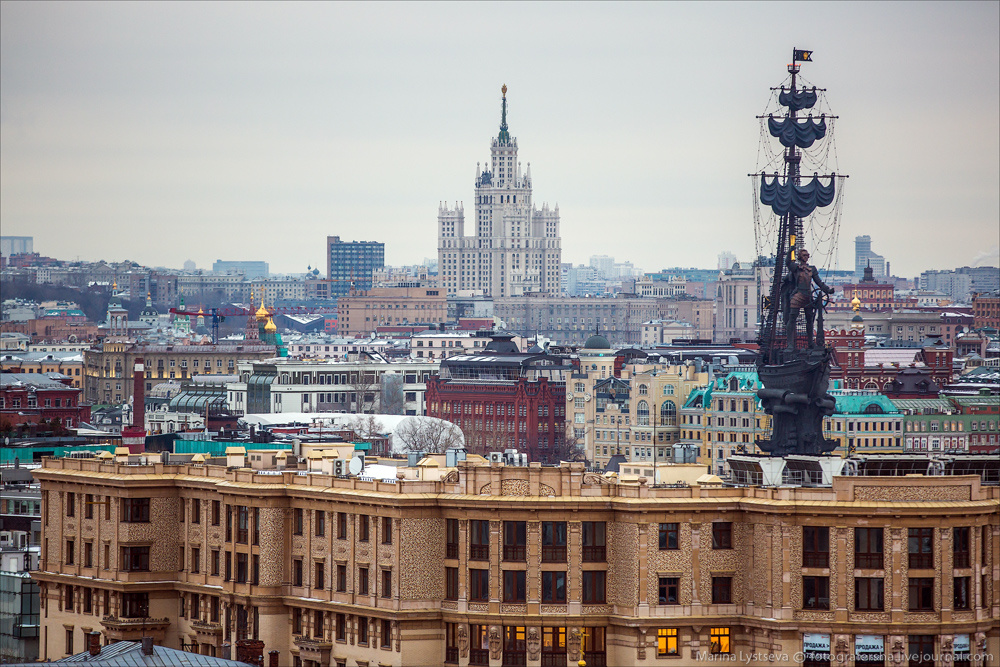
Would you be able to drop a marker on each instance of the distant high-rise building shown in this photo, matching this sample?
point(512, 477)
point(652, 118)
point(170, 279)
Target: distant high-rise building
point(603, 265)
point(350, 263)
point(189, 265)
point(516, 248)
point(249, 269)
point(726, 260)
point(864, 257)
point(16, 245)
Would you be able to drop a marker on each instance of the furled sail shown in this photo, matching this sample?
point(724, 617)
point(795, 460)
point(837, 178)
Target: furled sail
point(798, 200)
point(797, 100)
point(801, 133)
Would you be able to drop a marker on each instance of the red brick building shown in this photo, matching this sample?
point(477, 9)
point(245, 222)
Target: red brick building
point(858, 367)
point(31, 398)
point(502, 398)
point(986, 310)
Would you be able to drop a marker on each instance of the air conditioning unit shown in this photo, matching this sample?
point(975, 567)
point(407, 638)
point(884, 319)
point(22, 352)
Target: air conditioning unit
point(340, 467)
point(496, 457)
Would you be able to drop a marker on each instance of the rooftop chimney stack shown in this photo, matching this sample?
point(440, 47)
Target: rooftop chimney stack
point(94, 643)
point(147, 646)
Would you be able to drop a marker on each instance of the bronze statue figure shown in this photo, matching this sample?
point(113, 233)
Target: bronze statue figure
point(801, 276)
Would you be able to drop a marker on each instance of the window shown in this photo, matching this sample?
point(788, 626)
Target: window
point(515, 540)
point(719, 640)
point(554, 647)
point(387, 583)
point(594, 586)
point(815, 546)
point(340, 627)
point(451, 539)
point(215, 562)
point(921, 591)
point(296, 571)
point(921, 651)
point(514, 586)
point(70, 504)
point(921, 548)
point(135, 605)
point(387, 530)
point(669, 536)
point(229, 567)
point(815, 592)
point(88, 507)
point(195, 560)
point(553, 586)
point(242, 524)
point(135, 559)
point(868, 548)
point(479, 540)
point(319, 523)
point(669, 590)
point(135, 510)
point(296, 621)
point(962, 593)
point(216, 512)
point(722, 535)
point(88, 554)
point(722, 590)
point(666, 641)
point(298, 521)
point(869, 594)
point(479, 585)
point(364, 527)
point(341, 577)
point(385, 633)
point(341, 525)
point(362, 581)
point(363, 630)
point(451, 583)
point(69, 641)
point(319, 580)
point(241, 568)
point(195, 511)
point(960, 543)
point(594, 542)
point(553, 541)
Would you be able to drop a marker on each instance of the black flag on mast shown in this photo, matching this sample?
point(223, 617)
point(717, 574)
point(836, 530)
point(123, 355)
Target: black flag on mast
point(800, 54)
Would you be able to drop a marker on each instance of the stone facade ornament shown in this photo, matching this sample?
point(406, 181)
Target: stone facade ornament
point(534, 643)
point(640, 647)
point(573, 645)
point(463, 641)
point(495, 642)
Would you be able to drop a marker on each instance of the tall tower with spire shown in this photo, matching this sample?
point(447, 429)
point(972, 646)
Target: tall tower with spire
point(516, 247)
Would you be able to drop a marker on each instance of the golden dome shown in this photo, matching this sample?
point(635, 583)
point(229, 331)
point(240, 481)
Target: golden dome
point(200, 311)
point(262, 313)
point(856, 303)
point(270, 327)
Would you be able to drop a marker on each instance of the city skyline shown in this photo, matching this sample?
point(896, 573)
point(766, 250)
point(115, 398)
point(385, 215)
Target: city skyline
point(255, 133)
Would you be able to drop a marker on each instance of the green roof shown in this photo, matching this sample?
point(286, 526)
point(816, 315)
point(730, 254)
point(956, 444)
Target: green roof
point(855, 404)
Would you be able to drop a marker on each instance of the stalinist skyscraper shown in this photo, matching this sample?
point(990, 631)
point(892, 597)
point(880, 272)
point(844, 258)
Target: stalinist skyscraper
point(516, 247)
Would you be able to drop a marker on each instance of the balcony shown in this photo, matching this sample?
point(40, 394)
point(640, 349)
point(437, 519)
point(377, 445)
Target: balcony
point(479, 552)
point(313, 648)
point(815, 559)
point(479, 656)
point(207, 628)
point(553, 554)
point(134, 629)
point(594, 555)
point(514, 552)
point(868, 561)
point(451, 654)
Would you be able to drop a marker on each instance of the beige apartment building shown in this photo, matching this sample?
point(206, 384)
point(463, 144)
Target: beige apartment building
point(360, 314)
point(489, 565)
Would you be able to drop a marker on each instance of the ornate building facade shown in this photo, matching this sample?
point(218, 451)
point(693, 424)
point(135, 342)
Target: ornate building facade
point(489, 564)
point(515, 248)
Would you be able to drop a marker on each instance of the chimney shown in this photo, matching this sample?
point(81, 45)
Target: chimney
point(272, 658)
point(147, 646)
point(94, 643)
point(226, 651)
point(139, 395)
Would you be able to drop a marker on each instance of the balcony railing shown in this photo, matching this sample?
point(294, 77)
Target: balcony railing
point(515, 659)
point(480, 656)
point(596, 659)
point(451, 654)
point(451, 550)
point(553, 554)
point(479, 552)
point(815, 559)
point(961, 559)
point(868, 561)
point(594, 555)
point(514, 552)
point(554, 659)
point(921, 561)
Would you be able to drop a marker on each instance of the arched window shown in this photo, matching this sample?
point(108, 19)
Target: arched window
point(642, 413)
point(871, 385)
point(874, 409)
point(643, 390)
point(668, 413)
point(734, 384)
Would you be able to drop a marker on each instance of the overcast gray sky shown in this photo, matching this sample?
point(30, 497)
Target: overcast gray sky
point(161, 132)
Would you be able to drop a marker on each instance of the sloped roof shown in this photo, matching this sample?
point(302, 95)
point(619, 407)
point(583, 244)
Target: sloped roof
point(129, 654)
point(858, 403)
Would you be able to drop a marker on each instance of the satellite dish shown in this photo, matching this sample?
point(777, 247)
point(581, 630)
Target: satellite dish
point(356, 466)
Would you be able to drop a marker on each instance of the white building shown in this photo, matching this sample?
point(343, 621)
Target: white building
point(365, 383)
point(432, 344)
point(515, 248)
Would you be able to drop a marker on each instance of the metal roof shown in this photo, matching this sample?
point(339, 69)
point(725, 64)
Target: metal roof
point(129, 654)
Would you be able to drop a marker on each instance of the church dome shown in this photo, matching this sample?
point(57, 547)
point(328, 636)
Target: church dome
point(270, 327)
point(262, 313)
point(597, 342)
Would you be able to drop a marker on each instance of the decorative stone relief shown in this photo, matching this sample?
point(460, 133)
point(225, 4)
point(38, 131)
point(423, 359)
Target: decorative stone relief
point(451, 477)
point(495, 642)
point(573, 643)
point(640, 647)
point(515, 487)
point(486, 490)
point(534, 643)
point(593, 478)
point(463, 641)
point(546, 490)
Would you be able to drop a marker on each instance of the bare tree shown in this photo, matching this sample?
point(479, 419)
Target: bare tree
point(366, 427)
point(427, 434)
point(483, 437)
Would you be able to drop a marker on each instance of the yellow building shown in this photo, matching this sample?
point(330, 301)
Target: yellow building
point(486, 564)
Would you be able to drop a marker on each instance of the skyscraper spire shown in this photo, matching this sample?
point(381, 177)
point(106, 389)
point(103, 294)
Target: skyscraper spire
point(504, 136)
